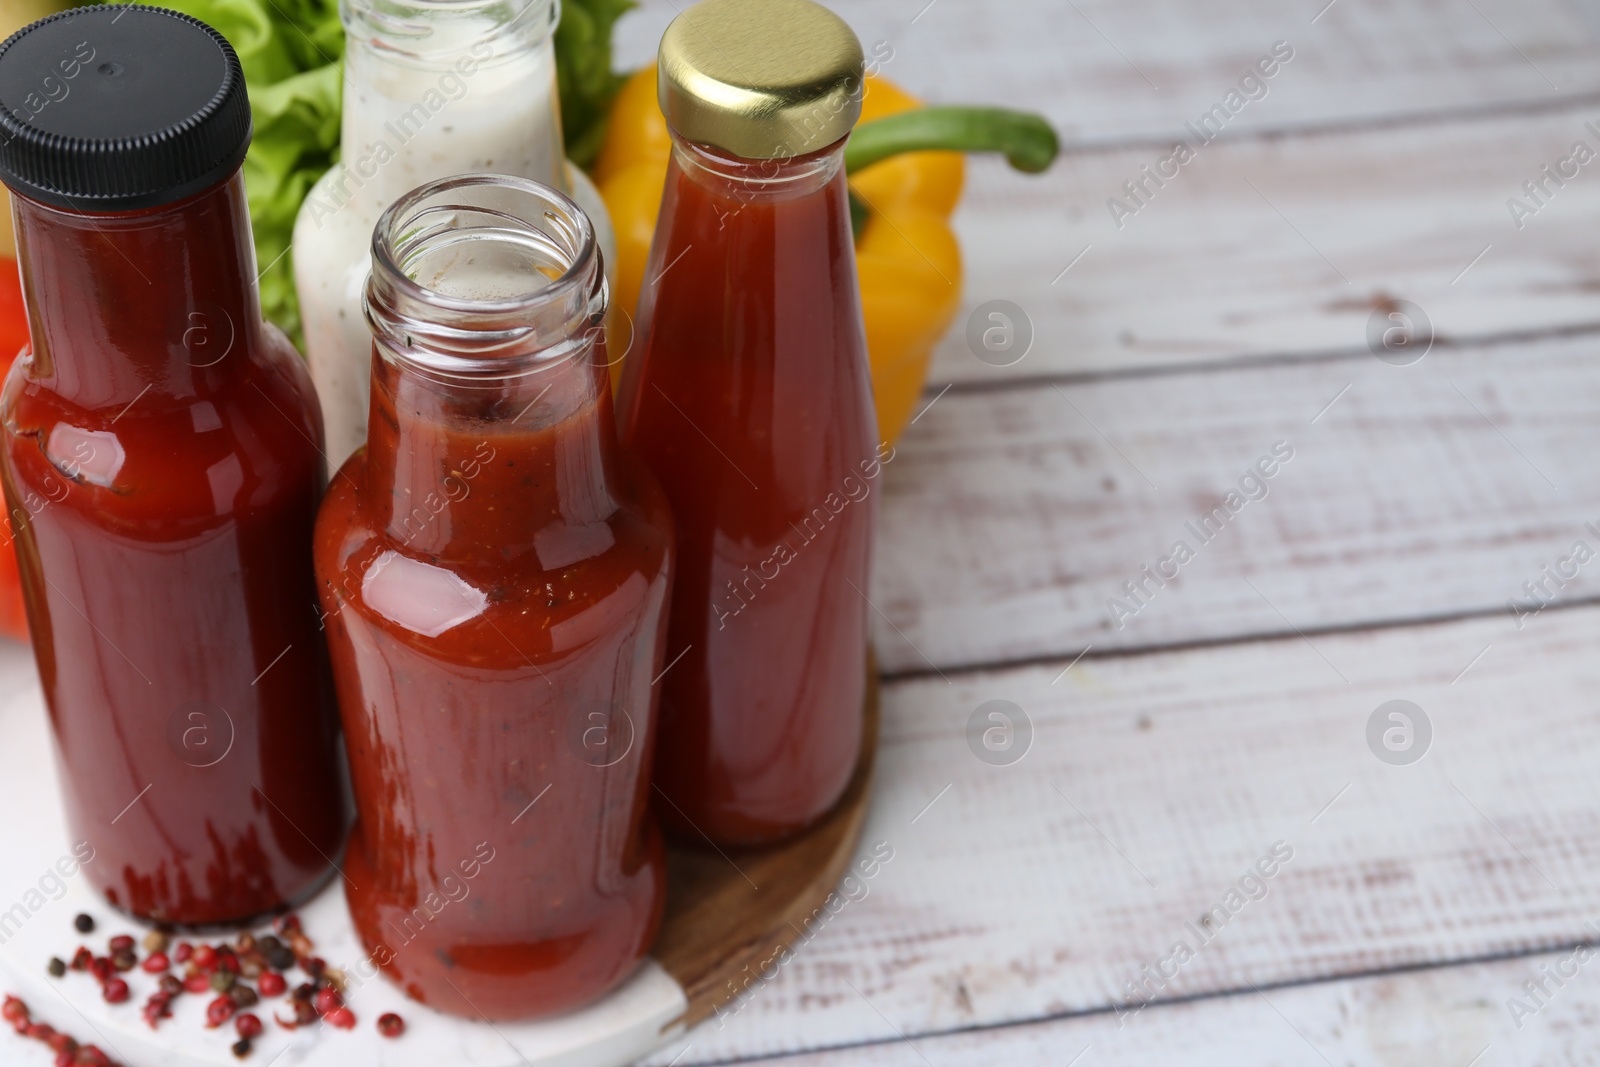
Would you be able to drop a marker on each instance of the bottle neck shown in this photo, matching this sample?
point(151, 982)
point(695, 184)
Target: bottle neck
point(753, 181)
point(484, 472)
point(490, 432)
point(434, 90)
point(161, 301)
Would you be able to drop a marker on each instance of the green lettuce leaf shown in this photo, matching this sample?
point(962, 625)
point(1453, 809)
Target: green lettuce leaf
point(292, 54)
point(584, 77)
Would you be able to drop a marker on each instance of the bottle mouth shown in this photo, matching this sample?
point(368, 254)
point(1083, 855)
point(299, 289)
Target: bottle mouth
point(485, 274)
point(438, 33)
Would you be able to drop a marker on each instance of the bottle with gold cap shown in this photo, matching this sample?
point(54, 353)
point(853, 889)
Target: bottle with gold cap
point(748, 396)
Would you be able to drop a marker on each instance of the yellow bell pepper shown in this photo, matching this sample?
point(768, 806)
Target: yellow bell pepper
point(903, 186)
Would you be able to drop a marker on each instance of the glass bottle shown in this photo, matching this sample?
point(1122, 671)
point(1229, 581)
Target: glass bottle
point(749, 398)
point(162, 464)
point(432, 88)
point(495, 574)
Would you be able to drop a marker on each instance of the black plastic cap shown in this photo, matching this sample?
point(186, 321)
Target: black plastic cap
point(119, 107)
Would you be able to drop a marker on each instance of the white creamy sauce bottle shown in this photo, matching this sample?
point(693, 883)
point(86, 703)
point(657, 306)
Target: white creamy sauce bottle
point(432, 89)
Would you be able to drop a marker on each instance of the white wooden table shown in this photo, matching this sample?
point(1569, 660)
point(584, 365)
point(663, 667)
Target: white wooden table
point(1231, 712)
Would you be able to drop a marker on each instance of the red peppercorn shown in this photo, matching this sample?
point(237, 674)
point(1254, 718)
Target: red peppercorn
point(343, 1018)
point(205, 957)
point(182, 953)
point(328, 1001)
point(171, 985)
point(248, 1025)
point(198, 983)
point(155, 963)
point(121, 943)
point(158, 1007)
point(81, 959)
point(115, 991)
point(101, 968)
point(391, 1025)
point(314, 966)
point(271, 984)
point(13, 1010)
point(60, 1042)
point(218, 1012)
point(91, 1056)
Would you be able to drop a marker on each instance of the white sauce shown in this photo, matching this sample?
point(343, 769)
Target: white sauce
point(481, 103)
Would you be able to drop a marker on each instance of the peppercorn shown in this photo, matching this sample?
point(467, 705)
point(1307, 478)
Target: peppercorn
point(121, 943)
point(115, 991)
point(272, 984)
point(171, 985)
point(155, 963)
point(391, 1025)
point(58, 967)
point(125, 961)
point(84, 924)
point(244, 996)
point(155, 941)
point(218, 1012)
point(248, 1025)
point(81, 959)
point(328, 1000)
point(183, 952)
point(343, 1018)
point(222, 981)
point(281, 959)
point(241, 1047)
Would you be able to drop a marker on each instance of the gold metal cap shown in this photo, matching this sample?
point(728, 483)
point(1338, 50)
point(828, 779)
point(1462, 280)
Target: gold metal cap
point(761, 79)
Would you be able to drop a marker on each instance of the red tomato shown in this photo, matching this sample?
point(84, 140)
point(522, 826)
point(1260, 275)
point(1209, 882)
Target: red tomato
point(13, 339)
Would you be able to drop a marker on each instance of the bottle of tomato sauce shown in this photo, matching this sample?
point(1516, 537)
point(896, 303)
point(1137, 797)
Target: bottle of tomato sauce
point(162, 466)
point(495, 573)
point(749, 398)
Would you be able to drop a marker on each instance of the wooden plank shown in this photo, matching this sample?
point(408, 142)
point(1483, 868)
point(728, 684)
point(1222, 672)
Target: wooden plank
point(1451, 1017)
point(1154, 783)
point(1280, 246)
point(1009, 521)
point(1081, 63)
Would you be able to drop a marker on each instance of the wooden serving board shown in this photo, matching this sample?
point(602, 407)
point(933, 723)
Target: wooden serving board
point(727, 914)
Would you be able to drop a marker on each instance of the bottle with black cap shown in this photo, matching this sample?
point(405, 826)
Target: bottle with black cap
point(162, 464)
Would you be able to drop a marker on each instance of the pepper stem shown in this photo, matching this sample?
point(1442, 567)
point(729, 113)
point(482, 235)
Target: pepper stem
point(1026, 139)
